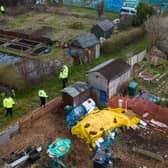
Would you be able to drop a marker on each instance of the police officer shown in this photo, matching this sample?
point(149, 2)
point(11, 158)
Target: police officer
point(2, 9)
point(64, 75)
point(42, 95)
point(8, 104)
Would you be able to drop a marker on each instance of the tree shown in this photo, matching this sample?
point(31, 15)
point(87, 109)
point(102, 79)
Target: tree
point(156, 27)
point(100, 8)
point(144, 11)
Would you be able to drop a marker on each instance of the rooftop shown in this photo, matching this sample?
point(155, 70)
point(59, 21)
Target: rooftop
point(85, 41)
point(111, 69)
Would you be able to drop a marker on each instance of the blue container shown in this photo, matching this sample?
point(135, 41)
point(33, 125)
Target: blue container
point(103, 97)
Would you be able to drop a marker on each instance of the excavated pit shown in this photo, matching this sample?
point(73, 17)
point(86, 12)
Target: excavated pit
point(29, 44)
point(17, 47)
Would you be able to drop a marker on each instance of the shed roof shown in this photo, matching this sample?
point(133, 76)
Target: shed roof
point(105, 25)
point(85, 41)
point(76, 89)
point(111, 69)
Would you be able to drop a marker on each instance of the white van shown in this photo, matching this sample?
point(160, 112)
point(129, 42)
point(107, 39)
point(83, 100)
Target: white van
point(127, 11)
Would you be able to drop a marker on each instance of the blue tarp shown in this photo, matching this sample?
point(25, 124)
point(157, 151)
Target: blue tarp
point(113, 5)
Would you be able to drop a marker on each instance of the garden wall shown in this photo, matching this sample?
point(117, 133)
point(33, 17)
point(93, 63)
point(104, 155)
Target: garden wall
point(136, 58)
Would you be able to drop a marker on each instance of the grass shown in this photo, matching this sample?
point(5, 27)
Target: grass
point(28, 100)
point(92, 12)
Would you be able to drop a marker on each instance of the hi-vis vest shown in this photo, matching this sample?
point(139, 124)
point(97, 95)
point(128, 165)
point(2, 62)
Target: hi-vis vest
point(64, 72)
point(8, 102)
point(42, 93)
point(2, 9)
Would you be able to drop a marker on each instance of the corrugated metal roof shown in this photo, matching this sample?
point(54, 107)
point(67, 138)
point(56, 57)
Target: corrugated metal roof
point(76, 89)
point(112, 68)
point(85, 41)
point(105, 25)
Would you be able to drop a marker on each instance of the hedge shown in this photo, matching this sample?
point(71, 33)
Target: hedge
point(118, 41)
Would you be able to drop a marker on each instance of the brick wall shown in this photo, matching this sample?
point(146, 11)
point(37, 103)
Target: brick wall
point(51, 106)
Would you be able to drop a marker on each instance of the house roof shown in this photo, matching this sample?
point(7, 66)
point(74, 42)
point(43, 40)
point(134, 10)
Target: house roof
point(76, 89)
point(105, 25)
point(85, 41)
point(111, 69)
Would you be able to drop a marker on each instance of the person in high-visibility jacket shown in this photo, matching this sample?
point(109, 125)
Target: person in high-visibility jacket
point(2, 9)
point(8, 104)
point(64, 75)
point(42, 95)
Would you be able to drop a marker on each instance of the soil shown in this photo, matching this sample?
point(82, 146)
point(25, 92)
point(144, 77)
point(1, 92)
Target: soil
point(42, 31)
point(53, 125)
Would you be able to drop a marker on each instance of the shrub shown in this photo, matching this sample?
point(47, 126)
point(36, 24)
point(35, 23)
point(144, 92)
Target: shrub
point(9, 76)
point(144, 11)
point(117, 42)
point(76, 25)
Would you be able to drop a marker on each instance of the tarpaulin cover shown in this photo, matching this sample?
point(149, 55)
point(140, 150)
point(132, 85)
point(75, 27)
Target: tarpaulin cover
point(114, 5)
point(99, 121)
point(142, 106)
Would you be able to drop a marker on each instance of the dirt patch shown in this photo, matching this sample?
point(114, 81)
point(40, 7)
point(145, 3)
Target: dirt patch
point(18, 10)
point(53, 125)
point(43, 31)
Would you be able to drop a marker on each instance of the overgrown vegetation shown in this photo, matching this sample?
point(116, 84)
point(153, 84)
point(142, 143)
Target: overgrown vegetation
point(118, 41)
point(76, 25)
point(156, 27)
point(144, 11)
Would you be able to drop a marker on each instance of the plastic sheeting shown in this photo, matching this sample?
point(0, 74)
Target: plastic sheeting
point(98, 122)
point(114, 5)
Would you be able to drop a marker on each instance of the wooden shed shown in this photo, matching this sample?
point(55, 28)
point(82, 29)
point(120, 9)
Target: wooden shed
point(85, 48)
point(75, 94)
point(103, 29)
point(106, 78)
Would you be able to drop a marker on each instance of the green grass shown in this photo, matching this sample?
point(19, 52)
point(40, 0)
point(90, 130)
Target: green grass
point(165, 13)
point(92, 12)
point(28, 100)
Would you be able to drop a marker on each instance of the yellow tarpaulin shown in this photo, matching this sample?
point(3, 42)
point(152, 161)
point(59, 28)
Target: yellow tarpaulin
point(98, 121)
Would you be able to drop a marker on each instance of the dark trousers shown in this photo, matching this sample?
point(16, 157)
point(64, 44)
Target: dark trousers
point(9, 111)
point(42, 101)
point(64, 82)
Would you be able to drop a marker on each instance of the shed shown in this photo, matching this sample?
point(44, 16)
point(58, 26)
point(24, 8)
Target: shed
point(106, 78)
point(103, 29)
point(85, 48)
point(76, 93)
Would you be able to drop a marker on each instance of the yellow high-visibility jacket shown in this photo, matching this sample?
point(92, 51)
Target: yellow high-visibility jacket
point(8, 102)
point(2, 9)
point(64, 72)
point(42, 93)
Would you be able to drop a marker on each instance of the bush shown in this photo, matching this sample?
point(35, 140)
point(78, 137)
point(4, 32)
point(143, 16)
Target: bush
point(9, 76)
point(76, 25)
point(117, 42)
point(144, 11)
